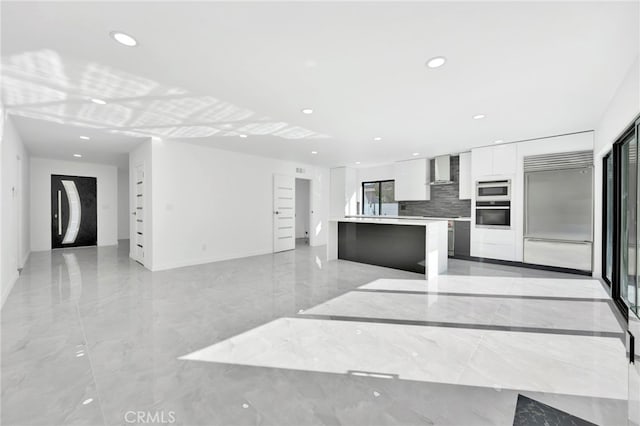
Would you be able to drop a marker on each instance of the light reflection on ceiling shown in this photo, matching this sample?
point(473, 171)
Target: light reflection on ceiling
point(40, 85)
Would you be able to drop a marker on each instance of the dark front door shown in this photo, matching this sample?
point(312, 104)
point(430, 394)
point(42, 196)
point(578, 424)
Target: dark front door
point(73, 211)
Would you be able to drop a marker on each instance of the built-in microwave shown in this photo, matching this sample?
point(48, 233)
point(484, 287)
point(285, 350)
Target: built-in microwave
point(495, 190)
point(493, 214)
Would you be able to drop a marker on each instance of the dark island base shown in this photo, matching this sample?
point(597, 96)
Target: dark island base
point(393, 246)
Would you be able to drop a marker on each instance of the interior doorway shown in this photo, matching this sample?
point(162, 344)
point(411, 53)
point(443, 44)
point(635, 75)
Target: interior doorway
point(303, 211)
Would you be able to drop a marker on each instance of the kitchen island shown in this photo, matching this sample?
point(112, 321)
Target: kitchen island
point(416, 245)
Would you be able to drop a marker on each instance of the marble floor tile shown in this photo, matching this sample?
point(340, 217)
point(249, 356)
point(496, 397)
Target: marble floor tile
point(570, 288)
point(460, 309)
point(89, 335)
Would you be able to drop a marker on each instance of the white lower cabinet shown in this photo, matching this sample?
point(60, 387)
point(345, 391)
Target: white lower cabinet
point(564, 254)
point(493, 251)
point(493, 243)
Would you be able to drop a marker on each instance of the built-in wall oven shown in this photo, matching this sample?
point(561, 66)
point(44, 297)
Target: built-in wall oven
point(494, 190)
point(493, 204)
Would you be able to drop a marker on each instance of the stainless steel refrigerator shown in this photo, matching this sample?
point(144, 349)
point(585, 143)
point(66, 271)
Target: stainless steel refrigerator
point(558, 221)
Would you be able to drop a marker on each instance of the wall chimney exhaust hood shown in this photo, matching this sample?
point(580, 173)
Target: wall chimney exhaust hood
point(442, 170)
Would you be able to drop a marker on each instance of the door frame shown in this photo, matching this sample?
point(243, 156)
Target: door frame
point(616, 151)
point(311, 230)
point(18, 202)
point(94, 242)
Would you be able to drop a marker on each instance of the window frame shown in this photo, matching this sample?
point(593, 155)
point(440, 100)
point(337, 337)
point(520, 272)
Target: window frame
point(379, 183)
point(605, 216)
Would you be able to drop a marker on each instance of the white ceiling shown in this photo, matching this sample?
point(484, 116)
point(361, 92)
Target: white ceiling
point(207, 72)
point(49, 139)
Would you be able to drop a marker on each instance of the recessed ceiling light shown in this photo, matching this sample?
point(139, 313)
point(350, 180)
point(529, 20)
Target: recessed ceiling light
point(307, 111)
point(377, 138)
point(123, 38)
point(415, 154)
point(243, 136)
point(77, 155)
point(314, 152)
point(436, 62)
point(86, 138)
point(498, 141)
point(478, 116)
point(357, 162)
point(98, 101)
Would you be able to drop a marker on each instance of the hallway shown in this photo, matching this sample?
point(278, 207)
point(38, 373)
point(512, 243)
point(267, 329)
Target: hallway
point(93, 338)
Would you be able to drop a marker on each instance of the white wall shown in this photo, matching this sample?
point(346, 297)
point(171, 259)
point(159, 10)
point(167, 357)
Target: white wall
point(14, 181)
point(303, 208)
point(211, 205)
point(621, 111)
point(107, 198)
point(123, 204)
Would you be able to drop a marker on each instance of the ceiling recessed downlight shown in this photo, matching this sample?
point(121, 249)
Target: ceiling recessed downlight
point(307, 111)
point(124, 39)
point(415, 154)
point(98, 101)
point(498, 141)
point(436, 62)
point(479, 116)
point(314, 152)
point(377, 138)
point(243, 136)
point(86, 138)
point(77, 155)
point(357, 162)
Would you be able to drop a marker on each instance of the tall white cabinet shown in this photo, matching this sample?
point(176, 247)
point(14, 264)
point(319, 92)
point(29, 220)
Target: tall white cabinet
point(465, 183)
point(501, 162)
point(412, 180)
point(493, 163)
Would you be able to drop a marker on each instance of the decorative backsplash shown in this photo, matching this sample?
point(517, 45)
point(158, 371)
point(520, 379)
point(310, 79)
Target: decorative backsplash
point(444, 198)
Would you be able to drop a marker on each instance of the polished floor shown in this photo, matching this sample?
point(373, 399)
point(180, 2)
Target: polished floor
point(90, 337)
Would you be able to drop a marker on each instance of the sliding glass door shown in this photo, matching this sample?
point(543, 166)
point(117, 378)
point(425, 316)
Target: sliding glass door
point(378, 198)
point(620, 236)
point(620, 240)
point(628, 218)
point(608, 219)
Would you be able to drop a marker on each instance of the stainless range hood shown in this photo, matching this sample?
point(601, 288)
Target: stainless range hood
point(442, 170)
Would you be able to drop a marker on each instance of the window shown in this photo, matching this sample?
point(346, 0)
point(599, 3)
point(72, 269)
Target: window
point(378, 198)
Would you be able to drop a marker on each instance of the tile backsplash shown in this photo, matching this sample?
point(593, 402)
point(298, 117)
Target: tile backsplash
point(444, 198)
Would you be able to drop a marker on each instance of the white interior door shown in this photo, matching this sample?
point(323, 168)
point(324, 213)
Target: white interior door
point(284, 208)
point(138, 216)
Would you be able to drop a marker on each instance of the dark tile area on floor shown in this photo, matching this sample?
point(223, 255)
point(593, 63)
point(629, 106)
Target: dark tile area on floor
point(530, 412)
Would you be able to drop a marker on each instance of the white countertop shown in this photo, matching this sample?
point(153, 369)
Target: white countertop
point(466, 219)
point(387, 220)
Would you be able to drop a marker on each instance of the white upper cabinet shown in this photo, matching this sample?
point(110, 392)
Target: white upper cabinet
point(482, 161)
point(493, 160)
point(412, 180)
point(504, 159)
point(465, 183)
